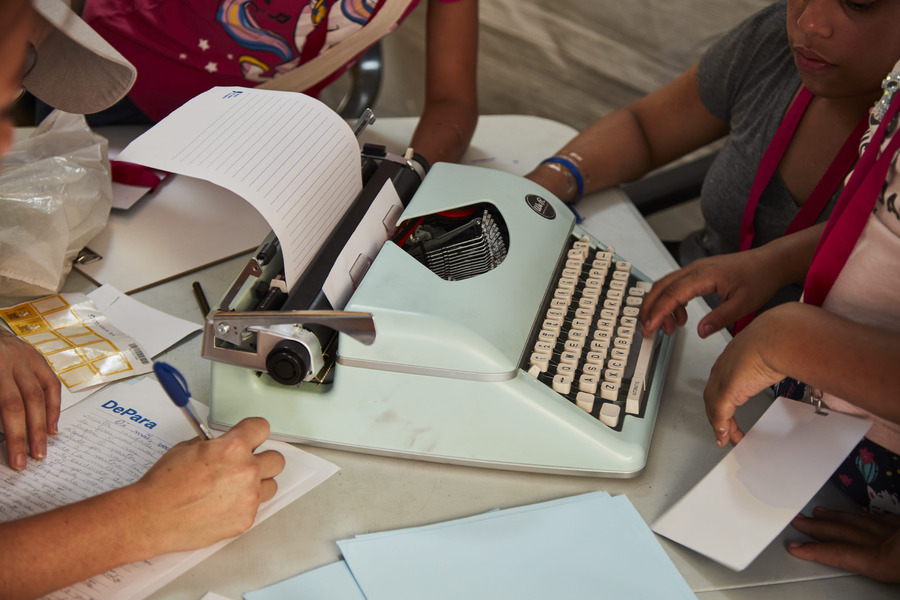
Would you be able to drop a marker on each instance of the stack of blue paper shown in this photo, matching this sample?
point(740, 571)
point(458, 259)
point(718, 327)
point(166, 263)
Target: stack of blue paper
point(586, 546)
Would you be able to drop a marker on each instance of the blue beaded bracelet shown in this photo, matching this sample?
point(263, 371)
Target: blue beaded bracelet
point(573, 169)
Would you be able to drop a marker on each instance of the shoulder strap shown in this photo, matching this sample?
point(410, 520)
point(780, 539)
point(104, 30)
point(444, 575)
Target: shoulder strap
point(309, 74)
point(852, 212)
point(769, 163)
point(824, 190)
point(830, 181)
point(821, 194)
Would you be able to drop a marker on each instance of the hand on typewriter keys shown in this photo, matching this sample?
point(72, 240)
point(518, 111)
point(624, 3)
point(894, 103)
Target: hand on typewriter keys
point(743, 281)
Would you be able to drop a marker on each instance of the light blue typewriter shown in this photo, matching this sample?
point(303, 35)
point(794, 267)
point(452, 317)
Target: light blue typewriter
point(492, 332)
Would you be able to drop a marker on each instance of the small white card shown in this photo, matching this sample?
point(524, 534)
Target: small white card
point(365, 243)
point(740, 506)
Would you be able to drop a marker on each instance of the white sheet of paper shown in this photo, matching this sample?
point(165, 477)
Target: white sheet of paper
point(98, 450)
point(187, 224)
point(125, 196)
point(289, 155)
point(154, 330)
point(364, 244)
point(740, 506)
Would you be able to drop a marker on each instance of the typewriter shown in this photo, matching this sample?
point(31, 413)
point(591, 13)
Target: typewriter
point(489, 331)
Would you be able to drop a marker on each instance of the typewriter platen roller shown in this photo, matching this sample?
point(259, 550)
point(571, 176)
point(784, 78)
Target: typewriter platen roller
point(456, 302)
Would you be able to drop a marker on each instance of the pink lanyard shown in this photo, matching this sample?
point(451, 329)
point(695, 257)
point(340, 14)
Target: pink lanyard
point(823, 191)
point(820, 195)
point(852, 212)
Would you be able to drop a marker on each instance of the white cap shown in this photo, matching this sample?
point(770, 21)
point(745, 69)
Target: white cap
point(76, 70)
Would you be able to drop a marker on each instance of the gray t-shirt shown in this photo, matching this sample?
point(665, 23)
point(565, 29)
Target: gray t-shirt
point(748, 79)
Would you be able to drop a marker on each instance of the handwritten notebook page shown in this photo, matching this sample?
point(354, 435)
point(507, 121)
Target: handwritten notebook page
point(293, 158)
point(99, 449)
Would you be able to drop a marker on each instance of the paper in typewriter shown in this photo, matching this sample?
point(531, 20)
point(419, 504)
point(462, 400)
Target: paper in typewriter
point(293, 158)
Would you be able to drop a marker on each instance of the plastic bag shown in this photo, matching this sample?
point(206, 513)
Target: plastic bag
point(55, 195)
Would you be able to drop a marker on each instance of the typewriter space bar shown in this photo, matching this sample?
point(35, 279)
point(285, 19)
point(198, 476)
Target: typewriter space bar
point(639, 380)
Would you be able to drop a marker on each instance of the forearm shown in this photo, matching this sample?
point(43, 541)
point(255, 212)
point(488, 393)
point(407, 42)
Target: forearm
point(49, 551)
point(198, 493)
point(444, 131)
point(648, 133)
point(743, 281)
point(602, 164)
point(841, 357)
point(788, 258)
point(451, 100)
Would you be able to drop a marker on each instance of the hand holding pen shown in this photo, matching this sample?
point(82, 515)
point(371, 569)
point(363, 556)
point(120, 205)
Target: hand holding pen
point(202, 491)
point(205, 490)
point(175, 385)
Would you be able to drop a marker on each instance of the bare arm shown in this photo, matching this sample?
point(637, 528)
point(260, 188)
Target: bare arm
point(842, 357)
point(648, 133)
point(198, 493)
point(744, 281)
point(451, 100)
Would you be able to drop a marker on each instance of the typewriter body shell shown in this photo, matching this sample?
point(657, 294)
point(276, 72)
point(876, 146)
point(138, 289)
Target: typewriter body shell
point(445, 378)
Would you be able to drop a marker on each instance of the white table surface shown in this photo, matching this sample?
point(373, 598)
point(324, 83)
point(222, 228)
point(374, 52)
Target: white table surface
point(373, 493)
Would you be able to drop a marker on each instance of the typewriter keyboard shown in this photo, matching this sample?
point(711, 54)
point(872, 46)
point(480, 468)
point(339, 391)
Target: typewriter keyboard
point(589, 346)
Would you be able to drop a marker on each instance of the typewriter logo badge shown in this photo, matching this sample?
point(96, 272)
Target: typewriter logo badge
point(540, 206)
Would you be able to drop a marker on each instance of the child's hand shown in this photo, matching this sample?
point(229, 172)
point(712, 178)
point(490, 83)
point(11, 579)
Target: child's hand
point(865, 544)
point(740, 372)
point(742, 281)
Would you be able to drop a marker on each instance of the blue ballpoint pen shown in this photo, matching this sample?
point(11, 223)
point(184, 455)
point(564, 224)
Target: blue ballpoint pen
point(176, 387)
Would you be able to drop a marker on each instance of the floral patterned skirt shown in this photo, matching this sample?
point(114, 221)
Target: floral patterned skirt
point(870, 475)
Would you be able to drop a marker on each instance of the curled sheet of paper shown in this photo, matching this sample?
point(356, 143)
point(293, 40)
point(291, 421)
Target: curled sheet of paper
point(289, 155)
